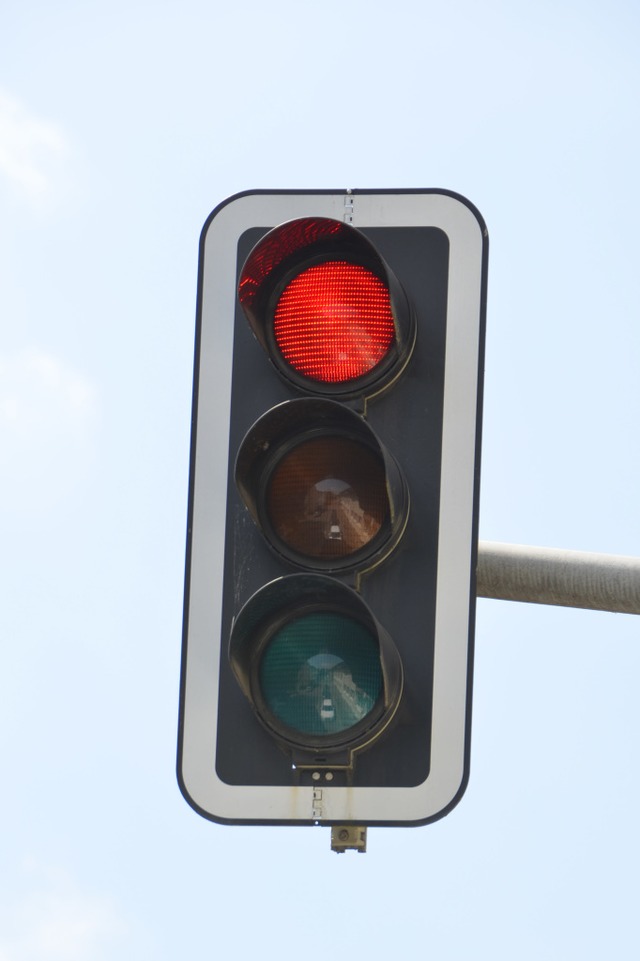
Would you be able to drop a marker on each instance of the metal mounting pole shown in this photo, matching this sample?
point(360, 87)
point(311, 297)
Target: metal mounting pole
point(547, 575)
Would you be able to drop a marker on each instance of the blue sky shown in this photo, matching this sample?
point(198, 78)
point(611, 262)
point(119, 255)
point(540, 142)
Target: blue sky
point(121, 127)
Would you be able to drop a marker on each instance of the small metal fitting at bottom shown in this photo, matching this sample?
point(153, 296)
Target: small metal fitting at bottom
point(348, 837)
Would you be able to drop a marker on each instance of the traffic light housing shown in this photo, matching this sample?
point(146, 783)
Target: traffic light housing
point(330, 589)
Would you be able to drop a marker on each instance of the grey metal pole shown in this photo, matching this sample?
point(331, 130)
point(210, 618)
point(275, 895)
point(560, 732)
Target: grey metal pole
point(547, 575)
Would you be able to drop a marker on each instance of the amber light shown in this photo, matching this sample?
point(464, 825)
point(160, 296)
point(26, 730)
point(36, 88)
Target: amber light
point(333, 322)
point(327, 498)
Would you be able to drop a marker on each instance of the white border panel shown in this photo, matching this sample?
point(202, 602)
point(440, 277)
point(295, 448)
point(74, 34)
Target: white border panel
point(364, 805)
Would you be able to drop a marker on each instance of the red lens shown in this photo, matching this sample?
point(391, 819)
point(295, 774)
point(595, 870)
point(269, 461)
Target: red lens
point(333, 322)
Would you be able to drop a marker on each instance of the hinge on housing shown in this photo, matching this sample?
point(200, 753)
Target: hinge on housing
point(348, 208)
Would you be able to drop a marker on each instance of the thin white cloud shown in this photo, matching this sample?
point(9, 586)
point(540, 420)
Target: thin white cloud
point(38, 390)
point(47, 427)
point(52, 920)
point(30, 148)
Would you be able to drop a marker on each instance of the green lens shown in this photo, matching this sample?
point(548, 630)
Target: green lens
point(321, 674)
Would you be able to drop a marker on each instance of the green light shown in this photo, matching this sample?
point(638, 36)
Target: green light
point(321, 674)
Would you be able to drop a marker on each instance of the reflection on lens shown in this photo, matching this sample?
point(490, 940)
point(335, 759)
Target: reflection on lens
point(327, 497)
point(321, 674)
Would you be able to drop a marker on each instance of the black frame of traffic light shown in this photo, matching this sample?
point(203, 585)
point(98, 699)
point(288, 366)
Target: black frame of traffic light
point(257, 799)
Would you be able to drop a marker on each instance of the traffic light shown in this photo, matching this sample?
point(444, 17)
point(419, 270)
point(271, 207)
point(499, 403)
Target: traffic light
point(330, 587)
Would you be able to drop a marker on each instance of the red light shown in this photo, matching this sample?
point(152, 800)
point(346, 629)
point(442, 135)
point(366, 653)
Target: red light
point(333, 322)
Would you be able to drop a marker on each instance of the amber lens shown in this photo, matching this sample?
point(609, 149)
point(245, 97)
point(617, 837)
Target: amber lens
point(327, 497)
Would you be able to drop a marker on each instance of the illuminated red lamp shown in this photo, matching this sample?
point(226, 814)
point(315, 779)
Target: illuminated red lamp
point(333, 321)
point(327, 309)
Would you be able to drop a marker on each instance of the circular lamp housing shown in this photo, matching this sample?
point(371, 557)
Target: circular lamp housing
point(322, 675)
point(323, 490)
point(327, 309)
